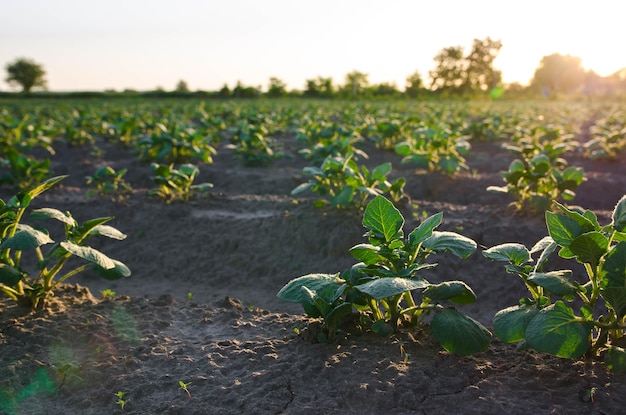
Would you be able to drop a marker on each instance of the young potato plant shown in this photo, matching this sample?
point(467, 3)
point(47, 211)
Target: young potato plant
point(176, 144)
point(106, 181)
point(176, 184)
point(545, 321)
point(435, 148)
point(608, 137)
point(18, 238)
point(346, 184)
point(253, 145)
point(381, 288)
point(540, 176)
point(324, 139)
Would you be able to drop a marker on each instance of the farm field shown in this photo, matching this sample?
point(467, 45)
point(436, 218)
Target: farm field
point(201, 306)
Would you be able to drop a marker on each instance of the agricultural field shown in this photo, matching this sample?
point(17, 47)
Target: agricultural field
point(217, 206)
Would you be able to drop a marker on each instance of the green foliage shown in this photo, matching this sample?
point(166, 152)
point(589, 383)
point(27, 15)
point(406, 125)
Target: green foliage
point(175, 143)
point(539, 175)
point(26, 73)
point(435, 148)
point(381, 287)
point(608, 137)
point(253, 145)
point(106, 181)
point(344, 183)
point(176, 184)
point(545, 321)
point(18, 238)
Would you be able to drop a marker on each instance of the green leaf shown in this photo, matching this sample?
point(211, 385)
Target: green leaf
point(455, 291)
point(557, 331)
point(619, 215)
point(109, 232)
point(49, 213)
point(301, 188)
point(88, 254)
point(382, 217)
point(613, 283)
point(344, 197)
point(366, 253)
point(316, 282)
point(26, 237)
point(452, 242)
point(380, 173)
point(425, 229)
point(120, 270)
point(510, 323)
point(390, 286)
point(23, 199)
point(590, 247)
point(9, 275)
point(516, 254)
point(459, 334)
point(563, 229)
point(557, 282)
point(382, 328)
point(615, 359)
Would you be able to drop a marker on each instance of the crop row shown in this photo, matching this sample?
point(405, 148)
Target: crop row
point(177, 138)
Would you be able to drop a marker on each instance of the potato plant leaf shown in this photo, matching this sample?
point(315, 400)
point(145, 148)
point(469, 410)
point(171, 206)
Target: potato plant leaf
point(109, 232)
point(292, 291)
point(120, 270)
point(89, 254)
point(619, 215)
point(613, 284)
point(452, 242)
point(387, 287)
point(557, 331)
point(615, 359)
point(26, 237)
point(510, 323)
point(9, 275)
point(382, 217)
point(562, 228)
point(455, 291)
point(425, 229)
point(458, 333)
point(49, 213)
point(589, 247)
point(557, 282)
point(516, 254)
point(366, 253)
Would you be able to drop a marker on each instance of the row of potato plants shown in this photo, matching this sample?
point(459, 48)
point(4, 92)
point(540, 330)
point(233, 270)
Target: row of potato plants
point(385, 290)
point(429, 135)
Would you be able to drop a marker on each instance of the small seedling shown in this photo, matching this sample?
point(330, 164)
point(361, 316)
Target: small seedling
point(184, 386)
point(107, 294)
point(120, 399)
point(190, 296)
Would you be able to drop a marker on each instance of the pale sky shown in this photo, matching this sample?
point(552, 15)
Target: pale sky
point(145, 44)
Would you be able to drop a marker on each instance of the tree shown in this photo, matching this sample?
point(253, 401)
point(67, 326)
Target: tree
point(277, 88)
point(559, 74)
point(182, 87)
point(414, 84)
point(480, 73)
point(456, 72)
point(319, 87)
point(26, 73)
point(356, 82)
point(449, 73)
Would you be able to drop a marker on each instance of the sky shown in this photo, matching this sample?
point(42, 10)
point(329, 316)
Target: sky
point(88, 45)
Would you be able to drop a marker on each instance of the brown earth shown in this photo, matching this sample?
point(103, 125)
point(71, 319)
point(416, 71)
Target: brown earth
point(234, 342)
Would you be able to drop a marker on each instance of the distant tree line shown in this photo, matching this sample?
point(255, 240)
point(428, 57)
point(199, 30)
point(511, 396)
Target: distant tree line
point(456, 74)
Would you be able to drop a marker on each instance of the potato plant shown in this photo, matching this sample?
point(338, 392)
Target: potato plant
point(381, 288)
point(436, 149)
point(32, 283)
point(176, 184)
point(345, 184)
point(539, 175)
point(107, 181)
point(547, 320)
